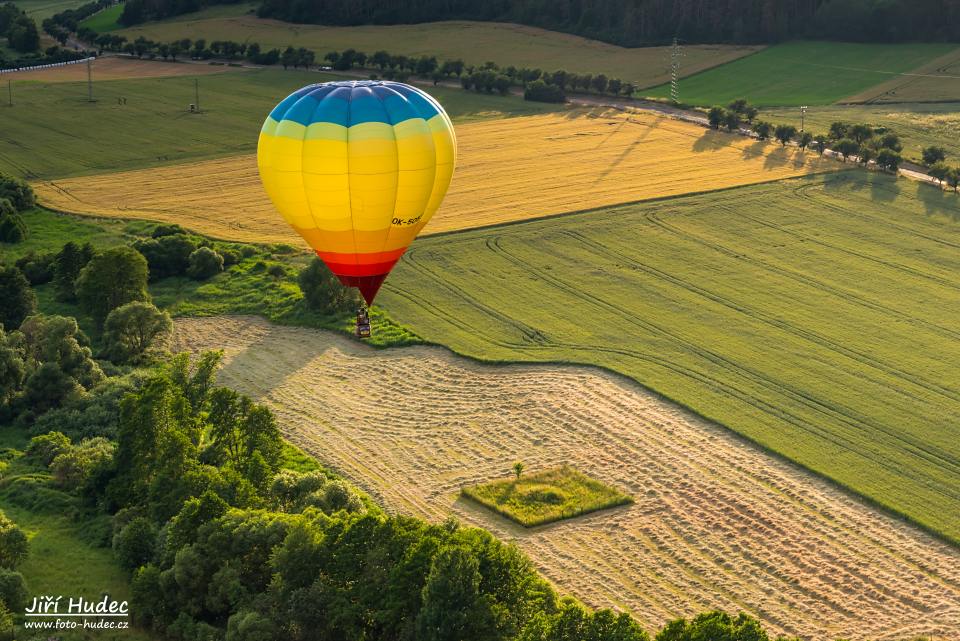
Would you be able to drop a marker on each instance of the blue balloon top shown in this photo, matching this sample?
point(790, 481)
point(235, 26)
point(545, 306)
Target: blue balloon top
point(353, 102)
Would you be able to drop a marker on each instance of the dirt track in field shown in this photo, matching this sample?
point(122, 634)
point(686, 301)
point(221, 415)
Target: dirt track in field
point(116, 69)
point(716, 523)
point(507, 169)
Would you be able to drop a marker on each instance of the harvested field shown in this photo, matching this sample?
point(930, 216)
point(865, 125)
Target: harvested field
point(716, 522)
point(508, 169)
point(113, 68)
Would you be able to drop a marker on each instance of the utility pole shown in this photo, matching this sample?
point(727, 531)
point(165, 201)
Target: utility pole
point(675, 54)
point(89, 80)
point(196, 93)
point(803, 113)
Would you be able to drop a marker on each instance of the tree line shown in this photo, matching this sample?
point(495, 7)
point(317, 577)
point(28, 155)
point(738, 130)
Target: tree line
point(860, 140)
point(650, 22)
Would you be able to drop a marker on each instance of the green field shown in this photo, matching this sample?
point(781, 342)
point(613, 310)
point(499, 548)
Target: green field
point(804, 73)
point(918, 125)
point(39, 10)
point(52, 131)
point(105, 20)
point(546, 496)
point(473, 42)
point(814, 316)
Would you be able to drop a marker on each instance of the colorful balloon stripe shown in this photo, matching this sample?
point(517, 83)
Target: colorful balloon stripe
point(357, 168)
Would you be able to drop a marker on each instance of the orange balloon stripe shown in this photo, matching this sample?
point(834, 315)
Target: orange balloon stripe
point(362, 259)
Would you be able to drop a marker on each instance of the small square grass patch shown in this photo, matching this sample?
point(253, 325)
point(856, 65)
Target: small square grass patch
point(547, 496)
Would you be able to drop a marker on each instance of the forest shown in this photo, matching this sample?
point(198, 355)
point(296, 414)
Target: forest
point(651, 22)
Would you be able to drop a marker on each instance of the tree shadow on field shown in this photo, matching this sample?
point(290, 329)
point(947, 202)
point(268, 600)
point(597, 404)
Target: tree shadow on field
point(755, 150)
point(937, 200)
point(711, 140)
point(270, 348)
point(777, 158)
point(883, 188)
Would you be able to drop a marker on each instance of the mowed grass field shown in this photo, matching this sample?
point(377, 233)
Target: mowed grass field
point(716, 522)
point(804, 73)
point(816, 317)
point(507, 170)
point(936, 81)
point(52, 130)
point(106, 20)
point(918, 125)
point(473, 42)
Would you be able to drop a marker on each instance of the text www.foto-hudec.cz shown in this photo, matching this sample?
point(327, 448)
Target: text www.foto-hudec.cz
point(49, 612)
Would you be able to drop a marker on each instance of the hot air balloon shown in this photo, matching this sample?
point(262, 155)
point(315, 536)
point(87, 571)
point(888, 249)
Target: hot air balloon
point(357, 168)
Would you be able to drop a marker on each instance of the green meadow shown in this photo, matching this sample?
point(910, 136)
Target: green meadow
point(816, 317)
point(106, 20)
point(52, 131)
point(803, 73)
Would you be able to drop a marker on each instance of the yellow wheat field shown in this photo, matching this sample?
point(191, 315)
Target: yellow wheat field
point(507, 170)
point(716, 522)
point(117, 69)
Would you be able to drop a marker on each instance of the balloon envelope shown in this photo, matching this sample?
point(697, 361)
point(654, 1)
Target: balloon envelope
point(357, 168)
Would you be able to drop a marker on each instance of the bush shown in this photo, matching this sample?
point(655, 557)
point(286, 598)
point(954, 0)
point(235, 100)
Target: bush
point(134, 331)
point(12, 228)
point(72, 468)
point(323, 291)
point(133, 545)
point(18, 300)
point(167, 255)
point(231, 256)
point(17, 191)
point(13, 590)
point(167, 230)
point(38, 268)
point(540, 91)
point(13, 543)
point(248, 251)
point(46, 447)
point(204, 263)
point(276, 271)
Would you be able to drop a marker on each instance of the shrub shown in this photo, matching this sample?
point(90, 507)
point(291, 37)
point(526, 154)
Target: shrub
point(135, 330)
point(12, 228)
point(167, 255)
point(276, 271)
point(18, 299)
point(540, 91)
point(133, 545)
point(248, 251)
point(231, 255)
point(323, 291)
point(167, 230)
point(13, 543)
point(17, 191)
point(46, 447)
point(13, 590)
point(72, 468)
point(38, 268)
point(204, 263)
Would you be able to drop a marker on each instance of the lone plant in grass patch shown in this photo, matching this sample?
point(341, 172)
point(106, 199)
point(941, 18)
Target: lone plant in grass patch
point(544, 497)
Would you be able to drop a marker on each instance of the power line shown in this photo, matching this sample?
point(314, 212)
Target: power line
point(675, 54)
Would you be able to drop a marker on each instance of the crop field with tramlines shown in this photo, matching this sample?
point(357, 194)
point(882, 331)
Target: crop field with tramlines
point(508, 169)
point(715, 522)
point(814, 316)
